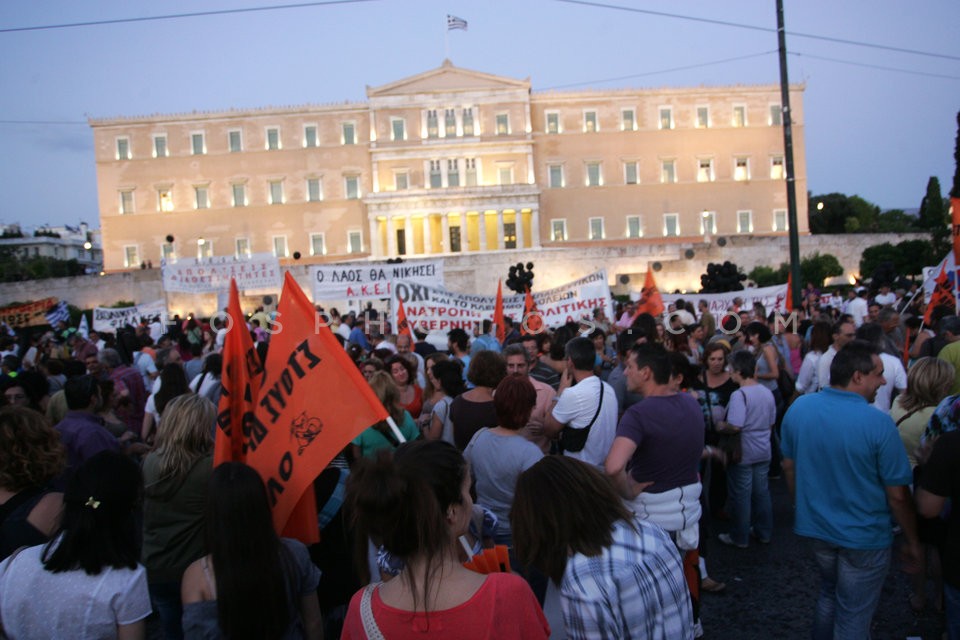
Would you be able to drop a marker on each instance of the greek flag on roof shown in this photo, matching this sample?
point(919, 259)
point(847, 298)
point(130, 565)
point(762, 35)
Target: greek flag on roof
point(453, 22)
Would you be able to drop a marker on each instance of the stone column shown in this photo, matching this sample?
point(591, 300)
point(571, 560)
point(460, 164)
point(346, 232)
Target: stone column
point(518, 223)
point(535, 226)
point(391, 237)
point(500, 243)
point(427, 239)
point(445, 230)
point(464, 233)
point(408, 235)
point(375, 245)
point(482, 228)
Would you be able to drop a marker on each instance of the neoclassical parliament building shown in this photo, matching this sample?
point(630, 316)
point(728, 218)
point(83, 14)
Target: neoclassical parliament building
point(450, 161)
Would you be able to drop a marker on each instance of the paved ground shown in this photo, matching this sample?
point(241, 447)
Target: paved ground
point(771, 589)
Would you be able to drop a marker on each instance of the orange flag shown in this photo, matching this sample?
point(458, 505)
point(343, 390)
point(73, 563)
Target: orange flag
point(652, 301)
point(241, 378)
point(313, 402)
point(942, 294)
point(498, 313)
point(906, 350)
point(403, 327)
point(789, 302)
point(532, 320)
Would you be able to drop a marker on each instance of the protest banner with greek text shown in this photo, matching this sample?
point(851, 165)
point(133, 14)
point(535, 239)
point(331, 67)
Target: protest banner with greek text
point(209, 275)
point(772, 298)
point(107, 319)
point(31, 314)
point(351, 281)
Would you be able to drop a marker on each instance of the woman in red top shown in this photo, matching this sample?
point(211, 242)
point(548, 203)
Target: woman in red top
point(404, 373)
point(416, 502)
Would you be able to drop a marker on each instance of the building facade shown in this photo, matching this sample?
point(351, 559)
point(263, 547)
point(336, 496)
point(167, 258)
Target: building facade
point(78, 243)
point(450, 161)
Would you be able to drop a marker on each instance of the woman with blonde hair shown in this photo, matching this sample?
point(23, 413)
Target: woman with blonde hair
point(31, 456)
point(928, 382)
point(176, 475)
point(380, 435)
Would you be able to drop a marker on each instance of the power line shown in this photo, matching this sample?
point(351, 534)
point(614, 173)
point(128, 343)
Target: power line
point(872, 66)
point(172, 16)
point(653, 73)
point(726, 23)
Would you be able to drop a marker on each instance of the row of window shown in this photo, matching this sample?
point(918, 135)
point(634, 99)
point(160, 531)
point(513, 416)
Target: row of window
point(670, 225)
point(238, 191)
point(446, 123)
point(593, 171)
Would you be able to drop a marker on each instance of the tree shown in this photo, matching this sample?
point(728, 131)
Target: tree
point(721, 278)
point(816, 268)
point(765, 276)
point(838, 213)
point(908, 257)
point(933, 216)
point(895, 221)
point(955, 189)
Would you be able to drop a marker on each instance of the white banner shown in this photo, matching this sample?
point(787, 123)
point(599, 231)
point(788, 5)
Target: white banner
point(371, 279)
point(110, 320)
point(772, 298)
point(261, 271)
point(436, 309)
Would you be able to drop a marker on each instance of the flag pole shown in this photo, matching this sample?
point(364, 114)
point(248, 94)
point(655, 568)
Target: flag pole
point(446, 38)
point(396, 430)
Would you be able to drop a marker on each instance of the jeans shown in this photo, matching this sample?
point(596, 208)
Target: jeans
point(850, 584)
point(951, 601)
point(748, 496)
point(166, 602)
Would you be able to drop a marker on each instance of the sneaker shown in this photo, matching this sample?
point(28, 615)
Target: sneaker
point(712, 586)
point(726, 539)
point(697, 629)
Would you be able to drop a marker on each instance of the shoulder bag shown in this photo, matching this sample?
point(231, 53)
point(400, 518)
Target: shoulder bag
point(731, 443)
point(575, 440)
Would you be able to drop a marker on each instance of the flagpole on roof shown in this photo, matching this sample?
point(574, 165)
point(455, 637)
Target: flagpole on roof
point(446, 37)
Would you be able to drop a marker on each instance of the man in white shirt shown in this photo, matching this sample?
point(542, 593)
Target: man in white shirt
point(858, 307)
point(584, 400)
point(894, 375)
point(885, 297)
point(843, 332)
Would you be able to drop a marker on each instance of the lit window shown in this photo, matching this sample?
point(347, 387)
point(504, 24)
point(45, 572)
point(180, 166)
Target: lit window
point(708, 222)
point(204, 248)
point(351, 187)
point(242, 248)
point(239, 195)
point(276, 192)
point(593, 178)
point(741, 169)
point(776, 115)
point(453, 173)
point(739, 116)
point(401, 180)
point(470, 168)
point(590, 121)
point(776, 168)
point(668, 171)
point(160, 146)
point(468, 129)
point(553, 122)
point(744, 221)
point(354, 242)
point(596, 228)
point(666, 118)
point(450, 123)
point(634, 228)
point(628, 120)
point(433, 126)
point(780, 220)
point(705, 170)
point(314, 190)
point(318, 246)
point(703, 117)
point(126, 201)
point(503, 124)
point(555, 172)
point(201, 197)
point(310, 136)
point(671, 224)
point(436, 177)
point(505, 175)
point(235, 141)
point(558, 230)
point(630, 173)
point(455, 239)
point(349, 133)
point(123, 148)
point(131, 256)
point(273, 139)
point(280, 246)
point(164, 200)
point(398, 127)
point(198, 145)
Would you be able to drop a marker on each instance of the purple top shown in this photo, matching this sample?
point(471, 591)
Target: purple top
point(669, 432)
point(83, 435)
point(128, 385)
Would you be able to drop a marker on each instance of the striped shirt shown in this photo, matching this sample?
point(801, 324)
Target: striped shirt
point(634, 589)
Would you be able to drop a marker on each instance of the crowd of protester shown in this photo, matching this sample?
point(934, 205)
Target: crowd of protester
point(605, 456)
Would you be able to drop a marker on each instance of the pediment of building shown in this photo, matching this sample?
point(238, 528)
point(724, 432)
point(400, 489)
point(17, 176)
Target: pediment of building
point(447, 78)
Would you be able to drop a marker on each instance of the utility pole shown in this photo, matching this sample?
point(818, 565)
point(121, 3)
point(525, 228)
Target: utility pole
point(788, 161)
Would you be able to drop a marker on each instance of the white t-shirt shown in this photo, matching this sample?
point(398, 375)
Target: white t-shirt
point(36, 603)
point(823, 368)
point(858, 309)
point(895, 377)
point(576, 408)
point(886, 298)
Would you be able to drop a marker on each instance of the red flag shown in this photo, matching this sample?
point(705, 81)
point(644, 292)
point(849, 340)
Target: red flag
point(789, 302)
point(241, 378)
point(906, 350)
point(652, 301)
point(942, 294)
point(403, 327)
point(532, 319)
point(313, 402)
point(498, 313)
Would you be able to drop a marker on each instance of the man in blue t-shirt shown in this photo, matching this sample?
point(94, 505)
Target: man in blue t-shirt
point(848, 471)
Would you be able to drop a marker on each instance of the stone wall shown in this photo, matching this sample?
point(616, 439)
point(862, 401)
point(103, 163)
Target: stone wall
point(626, 265)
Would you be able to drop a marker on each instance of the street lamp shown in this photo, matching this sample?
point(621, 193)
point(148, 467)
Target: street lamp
point(87, 246)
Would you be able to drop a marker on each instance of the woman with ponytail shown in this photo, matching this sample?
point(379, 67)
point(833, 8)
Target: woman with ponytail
point(416, 503)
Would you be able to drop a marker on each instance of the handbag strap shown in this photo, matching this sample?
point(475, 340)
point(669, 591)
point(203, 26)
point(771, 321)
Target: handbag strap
point(910, 413)
point(599, 404)
point(366, 613)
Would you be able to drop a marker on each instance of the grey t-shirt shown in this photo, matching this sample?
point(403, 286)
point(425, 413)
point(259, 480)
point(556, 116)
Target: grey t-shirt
point(753, 409)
